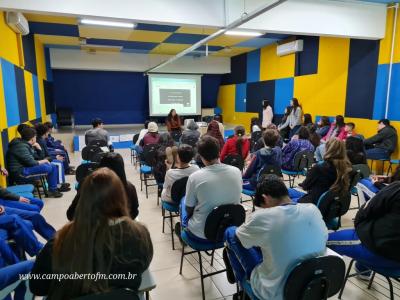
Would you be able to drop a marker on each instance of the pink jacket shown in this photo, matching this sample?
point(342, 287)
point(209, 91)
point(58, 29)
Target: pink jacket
point(332, 131)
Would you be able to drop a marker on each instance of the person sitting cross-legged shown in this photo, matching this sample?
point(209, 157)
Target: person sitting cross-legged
point(214, 185)
point(183, 168)
point(375, 240)
point(21, 162)
point(10, 199)
point(274, 239)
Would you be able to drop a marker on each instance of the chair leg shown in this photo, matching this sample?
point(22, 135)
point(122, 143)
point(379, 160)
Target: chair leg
point(390, 288)
point(183, 254)
point(389, 169)
point(172, 230)
point(201, 275)
point(371, 280)
point(145, 184)
point(141, 182)
point(212, 258)
point(163, 221)
point(345, 278)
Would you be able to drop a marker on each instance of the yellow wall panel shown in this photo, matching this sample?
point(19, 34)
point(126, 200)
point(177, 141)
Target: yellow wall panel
point(51, 19)
point(169, 48)
point(41, 74)
point(226, 100)
point(305, 89)
point(3, 115)
point(3, 182)
point(30, 98)
point(386, 43)
point(274, 67)
point(8, 42)
point(232, 51)
point(228, 40)
point(197, 30)
point(58, 40)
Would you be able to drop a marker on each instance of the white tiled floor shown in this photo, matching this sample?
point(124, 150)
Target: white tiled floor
point(165, 264)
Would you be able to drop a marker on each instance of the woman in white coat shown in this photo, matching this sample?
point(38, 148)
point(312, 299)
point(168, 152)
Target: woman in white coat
point(268, 114)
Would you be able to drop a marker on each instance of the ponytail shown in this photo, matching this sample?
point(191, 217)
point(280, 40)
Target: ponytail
point(240, 132)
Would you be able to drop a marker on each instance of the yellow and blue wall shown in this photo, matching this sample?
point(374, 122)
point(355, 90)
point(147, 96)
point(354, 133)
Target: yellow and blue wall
point(23, 84)
point(331, 76)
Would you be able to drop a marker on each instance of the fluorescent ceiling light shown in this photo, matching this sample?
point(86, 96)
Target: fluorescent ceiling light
point(243, 33)
point(107, 23)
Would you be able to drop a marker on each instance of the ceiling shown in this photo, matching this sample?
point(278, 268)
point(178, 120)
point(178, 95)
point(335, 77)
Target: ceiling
point(66, 32)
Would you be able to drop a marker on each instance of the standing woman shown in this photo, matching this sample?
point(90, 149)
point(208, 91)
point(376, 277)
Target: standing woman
point(294, 119)
point(173, 121)
point(101, 238)
point(268, 114)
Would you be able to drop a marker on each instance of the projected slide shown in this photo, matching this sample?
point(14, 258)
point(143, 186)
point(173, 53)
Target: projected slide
point(181, 92)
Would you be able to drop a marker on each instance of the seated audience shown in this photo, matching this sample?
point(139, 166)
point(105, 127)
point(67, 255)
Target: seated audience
point(214, 131)
point(221, 127)
point(183, 168)
point(331, 174)
point(164, 152)
point(10, 199)
point(236, 145)
point(284, 131)
point(206, 188)
point(324, 124)
point(356, 151)
point(97, 132)
point(261, 144)
point(152, 136)
point(107, 239)
point(299, 142)
point(143, 132)
point(190, 135)
point(336, 129)
point(173, 121)
point(12, 274)
point(114, 162)
point(56, 145)
point(274, 239)
point(294, 119)
point(383, 144)
point(269, 155)
point(375, 239)
point(314, 138)
point(347, 132)
point(307, 121)
point(21, 162)
point(255, 125)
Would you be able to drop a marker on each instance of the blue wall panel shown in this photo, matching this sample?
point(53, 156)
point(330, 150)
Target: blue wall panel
point(394, 100)
point(36, 95)
point(54, 29)
point(240, 97)
point(238, 70)
point(380, 92)
point(283, 94)
point(10, 93)
point(29, 53)
point(21, 94)
point(307, 60)
point(253, 66)
point(361, 80)
point(209, 90)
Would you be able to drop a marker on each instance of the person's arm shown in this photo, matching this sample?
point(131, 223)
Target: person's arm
point(168, 123)
point(252, 168)
point(190, 199)
point(249, 233)
point(374, 139)
point(284, 125)
point(297, 116)
point(6, 195)
point(270, 114)
point(245, 148)
point(25, 157)
point(224, 150)
point(133, 201)
point(311, 178)
point(43, 265)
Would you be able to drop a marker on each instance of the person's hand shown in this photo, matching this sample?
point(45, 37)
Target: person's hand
point(3, 171)
point(24, 200)
point(59, 157)
point(295, 137)
point(168, 164)
point(37, 146)
point(43, 161)
point(374, 179)
point(2, 210)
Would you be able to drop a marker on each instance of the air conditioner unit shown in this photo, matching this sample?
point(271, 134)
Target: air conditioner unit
point(289, 48)
point(17, 22)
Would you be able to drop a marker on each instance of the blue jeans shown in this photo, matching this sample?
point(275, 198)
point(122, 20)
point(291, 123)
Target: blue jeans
point(60, 170)
point(295, 195)
point(377, 153)
point(35, 205)
point(242, 260)
point(10, 274)
point(185, 222)
point(49, 169)
point(38, 221)
point(7, 255)
point(293, 131)
point(354, 249)
point(21, 232)
point(53, 154)
point(320, 152)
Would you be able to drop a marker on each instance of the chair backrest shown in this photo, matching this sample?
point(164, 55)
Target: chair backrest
point(303, 160)
point(83, 170)
point(92, 153)
point(235, 160)
point(98, 143)
point(355, 177)
point(334, 205)
point(269, 170)
point(120, 294)
point(178, 189)
point(255, 136)
point(221, 218)
point(364, 169)
point(135, 138)
point(149, 154)
point(315, 278)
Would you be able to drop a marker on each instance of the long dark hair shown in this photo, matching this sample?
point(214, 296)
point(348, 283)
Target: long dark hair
point(325, 121)
point(265, 104)
point(295, 103)
point(254, 121)
point(213, 130)
point(87, 245)
point(239, 132)
point(355, 150)
point(340, 121)
point(115, 162)
point(307, 119)
point(170, 117)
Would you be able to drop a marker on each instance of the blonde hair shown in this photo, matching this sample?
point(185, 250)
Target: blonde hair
point(336, 154)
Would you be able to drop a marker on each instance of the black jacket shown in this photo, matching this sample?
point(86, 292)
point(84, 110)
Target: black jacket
point(20, 154)
point(6, 195)
point(129, 256)
point(386, 138)
point(377, 223)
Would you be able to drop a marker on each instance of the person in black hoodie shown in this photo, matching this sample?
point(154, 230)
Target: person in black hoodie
point(375, 240)
point(382, 144)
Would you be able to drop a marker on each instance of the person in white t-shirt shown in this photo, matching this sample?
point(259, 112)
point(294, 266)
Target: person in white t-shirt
point(214, 185)
point(142, 132)
point(183, 169)
point(268, 114)
point(265, 249)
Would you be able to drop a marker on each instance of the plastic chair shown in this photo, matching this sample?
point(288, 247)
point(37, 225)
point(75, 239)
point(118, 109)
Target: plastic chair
point(235, 160)
point(333, 206)
point(178, 191)
point(98, 143)
point(387, 273)
point(391, 163)
point(255, 136)
point(354, 179)
point(317, 278)
point(303, 161)
point(39, 181)
point(217, 221)
point(83, 170)
point(146, 166)
point(133, 151)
